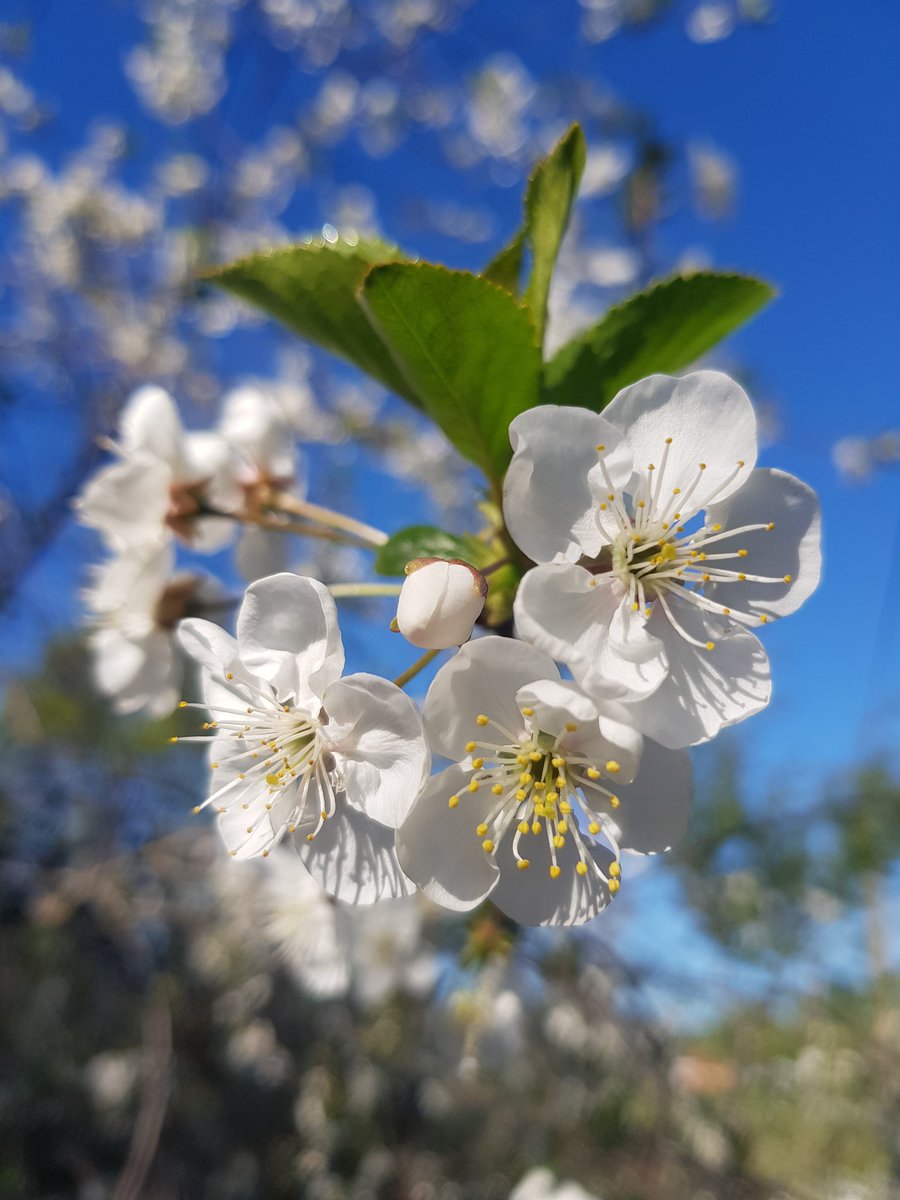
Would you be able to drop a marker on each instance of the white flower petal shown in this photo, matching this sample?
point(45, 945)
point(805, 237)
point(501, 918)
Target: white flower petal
point(127, 501)
point(438, 847)
point(149, 424)
point(481, 679)
point(653, 812)
point(567, 612)
point(354, 858)
point(792, 548)
point(288, 634)
point(256, 430)
point(547, 499)
point(532, 897)
point(217, 654)
point(376, 733)
point(556, 704)
point(249, 831)
point(705, 690)
point(709, 419)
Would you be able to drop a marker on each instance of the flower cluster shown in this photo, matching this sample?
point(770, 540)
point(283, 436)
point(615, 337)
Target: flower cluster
point(167, 486)
point(654, 546)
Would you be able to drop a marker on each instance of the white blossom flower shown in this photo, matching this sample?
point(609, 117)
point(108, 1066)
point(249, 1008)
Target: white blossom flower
point(135, 603)
point(334, 763)
point(520, 816)
point(440, 602)
point(332, 949)
point(660, 547)
point(265, 460)
point(540, 1184)
point(164, 480)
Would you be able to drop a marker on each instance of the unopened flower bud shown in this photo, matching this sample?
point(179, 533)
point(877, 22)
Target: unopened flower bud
point(440, 602)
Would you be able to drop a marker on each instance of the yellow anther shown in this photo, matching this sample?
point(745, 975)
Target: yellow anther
point(603, 506)
point(710, 645)
point(196, 809)
point(716, 528)
point(470, 746)
point(477, 763)
point(522, 760)
point(535, 756)
point(520, 795)
point(233, 853)
point(523, 864)
point(487, 846)
point(668, 441)
point(560, 781)
point(497, 789)
point(268, 806)
point(593, 828)
point(182, 703)
point(310, 836)
point(563, 827)
point(742, 576)
point(613, 886)
point(552, 797)
point(473, 785)
point(539, 785)
point(611, 496)
point(676, 492)
point(592, 773)
point(555, 872)
point(706, 578)
point(557, 762)
point(249, 828)
point(273, 780)
point(770, 527)
point(648, 612)
point(650, 467)
point(788, 579)
point(640, 504)
point(286, 708)
point(265, 853)
point(702, 556)
point(481, 829)
point(742, 553)
point(635, 606)
point(600, 448)
point(763, 620)
point(615, 869)
point(581, 868)
point(565, 807)
point(526, 777)
point(481, 719)
point(702, 466)
point(523, 827)
point(613, 767)
point(571, 727)
point(614, 802)
point(535, 827)
point(726, 612)
point(740, 462)
point(173, 740)
point(292, 828)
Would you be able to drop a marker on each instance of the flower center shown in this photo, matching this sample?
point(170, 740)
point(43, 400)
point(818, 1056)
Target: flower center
point(279, 755)
point(659, 551)
point(540, 786)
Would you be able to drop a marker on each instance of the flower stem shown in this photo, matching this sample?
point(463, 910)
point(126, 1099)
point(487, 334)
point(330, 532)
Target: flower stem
point(283, 502)
point(325, 535)
point(342, 590)
point(419, 665)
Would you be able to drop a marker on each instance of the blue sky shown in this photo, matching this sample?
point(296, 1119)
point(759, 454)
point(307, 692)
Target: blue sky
point(808, 107)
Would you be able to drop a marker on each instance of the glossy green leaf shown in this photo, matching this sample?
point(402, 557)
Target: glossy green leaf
point(424, 541)
point(548, 205)
point(466, 349)
point(661, 330)
point(312, 288)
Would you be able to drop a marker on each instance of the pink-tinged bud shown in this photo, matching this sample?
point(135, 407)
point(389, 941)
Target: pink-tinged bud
point(440, 602)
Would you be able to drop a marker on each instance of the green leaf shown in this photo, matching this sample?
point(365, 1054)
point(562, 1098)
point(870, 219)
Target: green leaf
point(548, 204)
point(424, 541)
point(661, 330)
point(312, 288)
point(506, 267)
point(466, 348)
